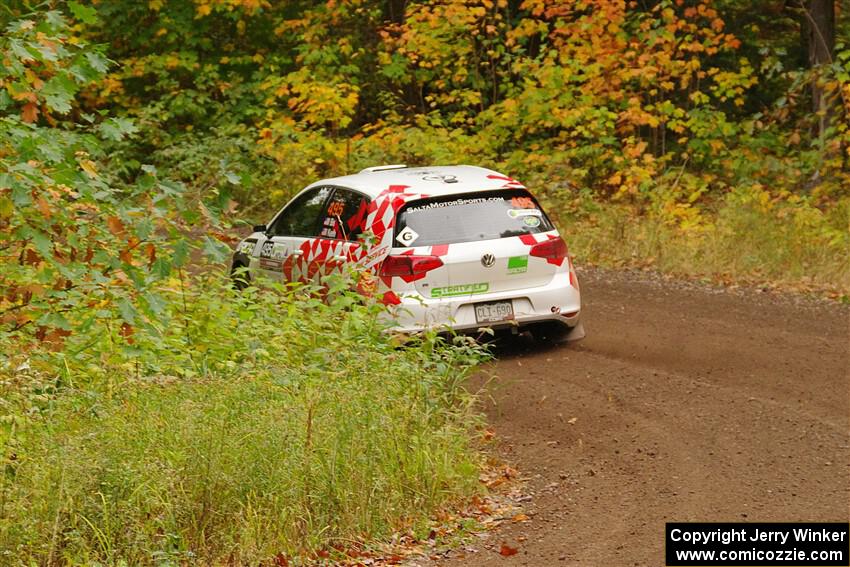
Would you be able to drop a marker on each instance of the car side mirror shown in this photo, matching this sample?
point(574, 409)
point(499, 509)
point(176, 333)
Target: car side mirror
point(259, 228)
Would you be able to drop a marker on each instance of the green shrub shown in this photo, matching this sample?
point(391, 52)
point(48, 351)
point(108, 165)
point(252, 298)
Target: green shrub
point(262, 424)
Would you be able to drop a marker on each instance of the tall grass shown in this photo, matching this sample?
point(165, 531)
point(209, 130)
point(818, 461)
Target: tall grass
point(260, 425)
point(743, 237)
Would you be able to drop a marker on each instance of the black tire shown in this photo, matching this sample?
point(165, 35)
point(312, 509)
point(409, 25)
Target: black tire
point(239, 276)
point(551, 332)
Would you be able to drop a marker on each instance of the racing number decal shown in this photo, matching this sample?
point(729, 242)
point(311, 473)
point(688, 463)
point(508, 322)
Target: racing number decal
point(522, 203)
point(336, 208)
point(267, 249)
point(272, 255)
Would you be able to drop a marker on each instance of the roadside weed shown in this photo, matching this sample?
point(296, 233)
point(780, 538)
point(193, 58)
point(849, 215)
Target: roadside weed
point(256, 424)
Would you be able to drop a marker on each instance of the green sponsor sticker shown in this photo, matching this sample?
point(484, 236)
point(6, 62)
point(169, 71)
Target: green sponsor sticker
point(466, 289)
point(517, 264)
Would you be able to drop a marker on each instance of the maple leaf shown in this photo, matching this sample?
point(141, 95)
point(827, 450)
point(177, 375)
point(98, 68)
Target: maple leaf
point(31, 257)
point(126, 256)
point(150, 253)
point(506, 550)
point(29, 112)
point(44, 207)
point(116, 227)
point(89, 167)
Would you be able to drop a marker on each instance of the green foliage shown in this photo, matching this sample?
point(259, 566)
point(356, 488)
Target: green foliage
point(614, 96)
point(220, 167)
point(43, 67)
point(149, 414)
point(82, 250)
point(751, 236)
point(262, 423)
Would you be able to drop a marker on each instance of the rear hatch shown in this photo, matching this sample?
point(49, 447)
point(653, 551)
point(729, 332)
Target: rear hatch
point(483, 239)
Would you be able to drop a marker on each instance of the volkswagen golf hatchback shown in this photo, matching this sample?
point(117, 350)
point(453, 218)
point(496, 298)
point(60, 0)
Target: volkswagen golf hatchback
point(458, 247)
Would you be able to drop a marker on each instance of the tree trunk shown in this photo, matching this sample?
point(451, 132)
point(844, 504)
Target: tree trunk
point(819, 32)
point(396, 10)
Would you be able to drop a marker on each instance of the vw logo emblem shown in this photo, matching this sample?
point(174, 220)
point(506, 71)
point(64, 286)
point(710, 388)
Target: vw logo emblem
point(488, 260)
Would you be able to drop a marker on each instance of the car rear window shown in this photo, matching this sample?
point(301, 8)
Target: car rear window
point(469, 218)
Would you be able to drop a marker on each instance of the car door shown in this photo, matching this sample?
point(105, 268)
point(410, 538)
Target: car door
point(340, 227)
point(280, 256)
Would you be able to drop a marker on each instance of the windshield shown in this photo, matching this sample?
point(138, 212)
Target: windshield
point(469, 218)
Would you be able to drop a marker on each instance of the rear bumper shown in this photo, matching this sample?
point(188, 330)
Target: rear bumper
point(557, 302)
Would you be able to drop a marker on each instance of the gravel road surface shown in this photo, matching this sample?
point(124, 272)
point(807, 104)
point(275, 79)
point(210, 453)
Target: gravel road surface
point(684, 403)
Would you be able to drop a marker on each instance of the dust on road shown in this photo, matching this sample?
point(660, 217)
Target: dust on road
point(682, 404)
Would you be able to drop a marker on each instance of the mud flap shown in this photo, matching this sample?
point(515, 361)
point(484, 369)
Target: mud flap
point(576, 334)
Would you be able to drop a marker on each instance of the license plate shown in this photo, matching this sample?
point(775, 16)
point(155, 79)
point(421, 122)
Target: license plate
point(494, 312)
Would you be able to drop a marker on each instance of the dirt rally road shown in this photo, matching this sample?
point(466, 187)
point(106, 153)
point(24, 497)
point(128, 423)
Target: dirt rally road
point(682, 404)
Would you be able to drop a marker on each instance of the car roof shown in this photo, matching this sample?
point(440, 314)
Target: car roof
point(435, 181)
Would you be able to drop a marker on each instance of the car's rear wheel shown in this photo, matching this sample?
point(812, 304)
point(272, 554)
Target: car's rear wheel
point(554, 333)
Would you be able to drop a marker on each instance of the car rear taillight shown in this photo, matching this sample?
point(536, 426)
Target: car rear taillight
point(554, 249)
point(409, 265)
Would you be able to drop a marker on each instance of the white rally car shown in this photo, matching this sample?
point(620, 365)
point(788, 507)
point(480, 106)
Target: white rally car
point(461, 247)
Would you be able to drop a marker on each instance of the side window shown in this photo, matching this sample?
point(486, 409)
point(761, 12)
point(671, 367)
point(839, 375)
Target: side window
point(300, 217)
point(344, 215)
